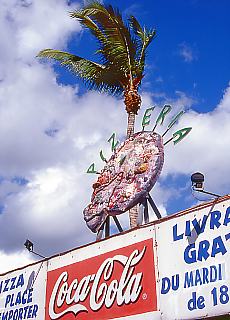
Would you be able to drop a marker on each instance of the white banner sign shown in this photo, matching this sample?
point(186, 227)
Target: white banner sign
point(175, 268)
point(22, 293)
point(194, 263)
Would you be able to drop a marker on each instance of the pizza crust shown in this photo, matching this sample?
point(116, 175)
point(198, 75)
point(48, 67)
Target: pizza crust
point(127, 177)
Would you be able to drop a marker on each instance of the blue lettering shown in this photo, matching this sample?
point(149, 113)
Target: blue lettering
point(13, 283)
point(30, 312)
point(213, 273)
point(203, 250)
point(188, 228)
point(218, 247)
point(214, 220)
point(198, 278)
point(5, 316)
point(18, 299)
point(227, 217)
point(20, 281)
point(165, 287)
point(11, 300)
point(25, 311)
point(11, 312)
point(20, 317)
point(196, 303)
point(190, 255)
point(166, 284)
point(6, 288)
point(175, 282)
point(15, 314)
point(30, 295)
point(7, 300)
point(34, 315)
point(192, 302)
point(200, 228)
point(221, 266)
point(188, 280)
point(24, 297)
point(200, 302)
point(175, 235)
point(205, 275)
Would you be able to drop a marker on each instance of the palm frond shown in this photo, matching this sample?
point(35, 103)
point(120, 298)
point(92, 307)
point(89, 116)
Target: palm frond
point(95, 75)
point(88, 23)
point(145, 37)
point(121, 49)
point(116, 45)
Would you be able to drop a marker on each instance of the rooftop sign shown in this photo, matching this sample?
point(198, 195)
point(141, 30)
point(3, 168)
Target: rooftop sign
point(175, 268)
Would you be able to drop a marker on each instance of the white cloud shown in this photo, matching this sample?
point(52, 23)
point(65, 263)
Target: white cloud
point(31, 102)
point(48, 209)
point(14, 260)
point(26, 27)
point(187, 52)
point(159, 79)
point(206, 149)
point(50, 136)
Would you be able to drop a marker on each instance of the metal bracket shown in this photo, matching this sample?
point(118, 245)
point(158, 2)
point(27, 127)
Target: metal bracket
point(143, 215)
point(106, 226)
point(153, 205)
point(145, 212)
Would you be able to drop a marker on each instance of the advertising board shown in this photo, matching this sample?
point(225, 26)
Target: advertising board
point(194, 263)
point(22, 293)
point(113, 280)
point(174, 268)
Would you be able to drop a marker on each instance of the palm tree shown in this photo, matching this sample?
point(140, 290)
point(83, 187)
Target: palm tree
point(122, 53)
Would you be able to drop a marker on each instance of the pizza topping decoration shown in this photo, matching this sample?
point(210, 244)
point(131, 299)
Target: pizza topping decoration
point(130, 173)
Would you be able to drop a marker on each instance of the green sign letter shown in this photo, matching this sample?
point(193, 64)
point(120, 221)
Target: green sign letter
point(166, 109)
point(146, 117)
point(114, 144)
point(91, 169)
point(175, 119)
point(181, 134)
point(102, 157)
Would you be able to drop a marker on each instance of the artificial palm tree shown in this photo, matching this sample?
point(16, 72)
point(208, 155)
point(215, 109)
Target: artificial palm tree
point(122, 53)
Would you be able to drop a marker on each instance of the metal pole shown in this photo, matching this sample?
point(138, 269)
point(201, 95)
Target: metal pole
point(37, 254)
point(119, 227)
point(210, 193)
point(154, 207)
point(100, 233)
point(107, 227)
point(146, 211)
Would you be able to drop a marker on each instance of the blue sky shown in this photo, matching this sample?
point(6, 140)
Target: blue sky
point(191, 52)
point(52, 128)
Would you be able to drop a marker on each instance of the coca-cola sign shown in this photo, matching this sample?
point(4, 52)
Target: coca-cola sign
point(112, 285)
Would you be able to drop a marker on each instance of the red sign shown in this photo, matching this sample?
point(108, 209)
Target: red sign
point(112, 285)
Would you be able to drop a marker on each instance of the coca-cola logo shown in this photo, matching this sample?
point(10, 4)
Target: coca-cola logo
point(117, 284)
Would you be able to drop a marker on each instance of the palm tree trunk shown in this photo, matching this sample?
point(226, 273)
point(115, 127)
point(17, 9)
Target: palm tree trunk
point(133, 212)
point(131, 123)
point(133, 216)
point(132, 102)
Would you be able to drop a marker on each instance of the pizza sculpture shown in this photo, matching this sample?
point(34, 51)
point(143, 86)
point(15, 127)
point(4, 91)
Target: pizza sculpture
point(131, 172)
point(126, 178)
